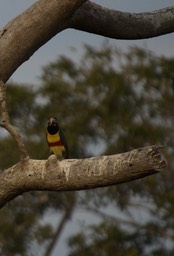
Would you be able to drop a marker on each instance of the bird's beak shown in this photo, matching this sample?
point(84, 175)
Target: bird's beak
point(51, 121)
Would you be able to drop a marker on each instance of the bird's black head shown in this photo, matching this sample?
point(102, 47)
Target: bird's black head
point(52, 126)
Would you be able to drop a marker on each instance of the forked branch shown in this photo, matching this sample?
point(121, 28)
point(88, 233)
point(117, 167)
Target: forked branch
point(5, 123)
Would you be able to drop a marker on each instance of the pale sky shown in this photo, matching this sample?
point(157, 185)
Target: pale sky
point(30, 71)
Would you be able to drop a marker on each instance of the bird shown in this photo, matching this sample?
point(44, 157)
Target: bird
point(56, 139)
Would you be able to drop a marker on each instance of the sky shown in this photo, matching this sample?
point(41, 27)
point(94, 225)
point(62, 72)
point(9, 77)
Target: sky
point(63, 43)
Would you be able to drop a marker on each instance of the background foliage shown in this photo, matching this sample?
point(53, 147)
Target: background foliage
point(108, 102)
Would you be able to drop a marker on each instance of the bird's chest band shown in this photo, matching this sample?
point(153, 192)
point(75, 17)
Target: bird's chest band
point(56, 143)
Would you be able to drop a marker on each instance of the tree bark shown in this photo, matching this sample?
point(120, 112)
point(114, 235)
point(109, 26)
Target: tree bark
point(96, 19)
point(26, 33)
point(78, 174)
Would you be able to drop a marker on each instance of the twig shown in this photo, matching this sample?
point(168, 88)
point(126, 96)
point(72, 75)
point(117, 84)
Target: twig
point(61, 225)
point(5, 123)
point(115, 220)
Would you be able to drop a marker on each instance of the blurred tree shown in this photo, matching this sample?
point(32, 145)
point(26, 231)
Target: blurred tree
point(107, 102)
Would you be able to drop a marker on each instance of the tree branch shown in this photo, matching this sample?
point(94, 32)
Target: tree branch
point(96, 19)
point(26, 33)
point(77, 174)
point(6, 123)
point(63, 221)
point(156, 229)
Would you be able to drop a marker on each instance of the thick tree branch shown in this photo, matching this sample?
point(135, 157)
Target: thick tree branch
point(7, 125)
point(77, 174)
point(96, 19)
point(25, 34)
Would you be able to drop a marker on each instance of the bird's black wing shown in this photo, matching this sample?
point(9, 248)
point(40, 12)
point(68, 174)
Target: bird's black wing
point(63, 139)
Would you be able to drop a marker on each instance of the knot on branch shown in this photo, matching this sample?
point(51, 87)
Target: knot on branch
point(51, 162)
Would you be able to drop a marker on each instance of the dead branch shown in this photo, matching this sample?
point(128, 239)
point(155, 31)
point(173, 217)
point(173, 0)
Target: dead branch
point(78, 174)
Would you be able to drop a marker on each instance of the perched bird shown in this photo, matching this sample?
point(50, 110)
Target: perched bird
point(56, 140)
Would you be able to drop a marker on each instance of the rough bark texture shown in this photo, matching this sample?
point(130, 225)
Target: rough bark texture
point(25, 34)
point(78, 174)
point(96, 19)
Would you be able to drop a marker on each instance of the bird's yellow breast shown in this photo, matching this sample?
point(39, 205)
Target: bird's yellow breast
point(53, 138)
point(55, 144)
